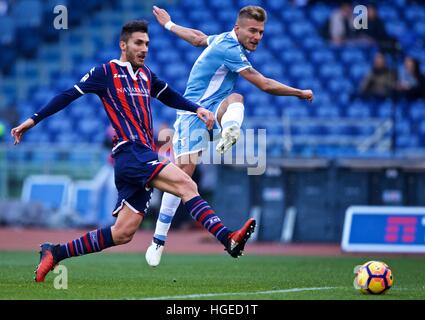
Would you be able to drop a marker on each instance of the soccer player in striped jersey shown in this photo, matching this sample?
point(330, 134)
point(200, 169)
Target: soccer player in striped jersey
point(211, 82)
point(125, 87)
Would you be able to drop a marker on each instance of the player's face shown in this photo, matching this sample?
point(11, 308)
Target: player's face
point(249, 33)
point(136, 48)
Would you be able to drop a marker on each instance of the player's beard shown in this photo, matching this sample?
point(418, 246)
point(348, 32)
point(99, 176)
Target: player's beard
point(132, 58)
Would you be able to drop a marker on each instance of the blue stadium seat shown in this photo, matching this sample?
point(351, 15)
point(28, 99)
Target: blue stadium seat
point(414, 12)
point(302, 29)
point(331, 70)
point(292, 15)
point(407, 141)
point(227, 17)
point(385, 110)
point(276, 5)
point(7, 27)
point(352, 55)
point(358, 110)
point(338, 86)
point(417, 110)
point(210, 27)
point(359, 70)
point(27, 13)
point(272, 68)
point(293, 56)
point(388, 12)
point(313, 43)
point(221, 4)
point(51, 191)
point(296, 111)
point(419, 28)
point(301, 71)
point(278, 44)
point(327, 112)
point(260, 56)
point(320, 13)
point(403, 127)
point(322, 56)
point(274, 28)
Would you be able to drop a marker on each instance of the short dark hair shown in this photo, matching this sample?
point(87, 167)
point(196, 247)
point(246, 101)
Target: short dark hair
point(131, 27)
point(253, 12)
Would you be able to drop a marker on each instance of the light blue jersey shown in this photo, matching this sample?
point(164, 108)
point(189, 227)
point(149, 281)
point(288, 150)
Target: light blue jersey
point(214, 74)
point(211, 80)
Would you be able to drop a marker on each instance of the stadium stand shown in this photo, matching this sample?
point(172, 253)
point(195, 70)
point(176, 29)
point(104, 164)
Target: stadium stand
point(292, 51)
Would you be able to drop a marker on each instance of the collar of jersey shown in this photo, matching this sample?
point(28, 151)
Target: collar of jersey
point(233, 35)
point(129, 68)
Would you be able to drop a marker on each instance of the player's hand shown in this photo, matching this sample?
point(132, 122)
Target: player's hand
point(161, 15)
point(206, 116)
point(307, 95)
point(18, 132)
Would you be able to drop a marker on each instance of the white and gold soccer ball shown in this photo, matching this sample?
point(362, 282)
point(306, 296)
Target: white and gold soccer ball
point(373, 277)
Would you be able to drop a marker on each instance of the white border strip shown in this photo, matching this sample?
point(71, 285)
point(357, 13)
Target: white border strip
point(207, 295)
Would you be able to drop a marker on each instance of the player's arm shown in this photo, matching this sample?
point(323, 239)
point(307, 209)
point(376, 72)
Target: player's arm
point(92, 82)
point(272, 86)
point(193, 36)
point(58, 103)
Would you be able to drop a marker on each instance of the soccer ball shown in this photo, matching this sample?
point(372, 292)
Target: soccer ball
point(373, 277)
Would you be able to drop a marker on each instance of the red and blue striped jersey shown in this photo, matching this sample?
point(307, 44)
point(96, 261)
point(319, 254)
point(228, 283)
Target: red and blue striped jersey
point(126, 97)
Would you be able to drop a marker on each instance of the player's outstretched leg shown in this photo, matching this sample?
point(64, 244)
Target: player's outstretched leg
point(121, 232)
point(234, 242)
point(231, 122)
point(173, 180)
point(51, 255)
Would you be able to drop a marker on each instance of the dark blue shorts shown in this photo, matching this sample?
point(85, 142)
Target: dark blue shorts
point(135, 166)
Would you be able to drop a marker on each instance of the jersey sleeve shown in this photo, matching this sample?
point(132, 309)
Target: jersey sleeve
point(157, 85)
point(210, 39)
point(235, 59)
point(93, 81)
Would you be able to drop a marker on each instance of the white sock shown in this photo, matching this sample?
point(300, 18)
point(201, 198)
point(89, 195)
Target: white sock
point(169, 206)
point(233, 115)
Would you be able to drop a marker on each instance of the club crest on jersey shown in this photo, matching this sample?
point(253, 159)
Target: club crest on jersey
point(243, 57)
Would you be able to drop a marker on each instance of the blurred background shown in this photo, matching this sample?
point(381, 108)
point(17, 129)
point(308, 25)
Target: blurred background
point(361, 142)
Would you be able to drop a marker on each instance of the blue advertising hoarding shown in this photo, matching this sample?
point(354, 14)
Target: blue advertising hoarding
point(384, 229)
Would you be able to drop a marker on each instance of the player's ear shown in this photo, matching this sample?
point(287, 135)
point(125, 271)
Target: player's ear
point(123, 45)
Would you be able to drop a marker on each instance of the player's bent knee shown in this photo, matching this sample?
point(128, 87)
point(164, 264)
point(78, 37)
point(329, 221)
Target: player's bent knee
point(122, 236)
point(236, 97)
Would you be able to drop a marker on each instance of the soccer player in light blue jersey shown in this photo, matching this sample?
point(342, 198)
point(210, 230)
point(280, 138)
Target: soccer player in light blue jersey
point(211, 83)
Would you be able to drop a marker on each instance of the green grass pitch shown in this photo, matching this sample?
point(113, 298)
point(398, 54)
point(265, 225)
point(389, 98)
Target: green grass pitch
point(217, 277)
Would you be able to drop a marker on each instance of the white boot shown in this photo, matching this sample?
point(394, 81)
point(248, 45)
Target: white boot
point(153, 254)
point(229, 137)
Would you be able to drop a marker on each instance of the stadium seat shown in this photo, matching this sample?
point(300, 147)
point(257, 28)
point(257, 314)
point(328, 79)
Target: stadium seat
point(51, 191)
point(322, 56)
point(358, 110)
point(7, 27)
